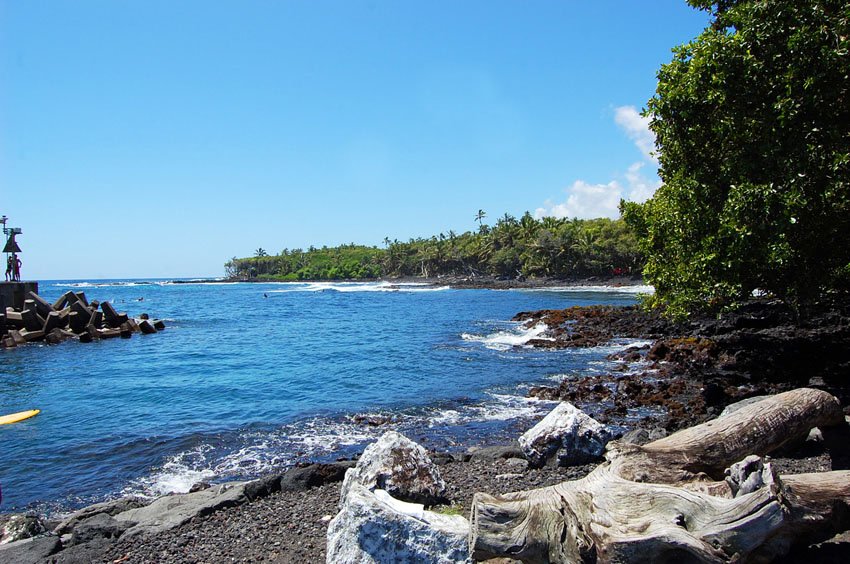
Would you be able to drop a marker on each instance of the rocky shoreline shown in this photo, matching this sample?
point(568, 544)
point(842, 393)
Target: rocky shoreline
point(687, 375)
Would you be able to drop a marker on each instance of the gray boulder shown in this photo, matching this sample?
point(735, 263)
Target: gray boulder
point(399, 466)
point(372, 527)
point(110, 508)
point(171, 511)
point(30, 551)
point(566, 434)
point(100, 526)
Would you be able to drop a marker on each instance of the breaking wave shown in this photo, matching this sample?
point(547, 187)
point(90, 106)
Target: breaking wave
point(346, 287)
point(626, 289)
point(515, 336)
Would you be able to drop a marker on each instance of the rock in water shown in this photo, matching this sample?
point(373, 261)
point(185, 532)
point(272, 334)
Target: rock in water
point(400, 467)
point(567, 433)
point(375, 528)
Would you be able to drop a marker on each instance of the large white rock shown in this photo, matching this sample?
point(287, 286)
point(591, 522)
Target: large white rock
point(374, 528)
point(568, 433)
point(399, 466)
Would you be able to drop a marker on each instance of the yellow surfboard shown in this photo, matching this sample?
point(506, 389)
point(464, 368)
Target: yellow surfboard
point(20, 416)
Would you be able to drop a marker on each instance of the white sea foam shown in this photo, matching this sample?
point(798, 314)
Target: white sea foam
point(500, 407)
point(516, 336)
point(627, 289)
point(181, 471)
point(264, 452)
point(347, 287)
point(177, 475)
point(320, 435)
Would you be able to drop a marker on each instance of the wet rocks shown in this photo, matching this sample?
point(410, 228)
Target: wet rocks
point(593, 326)
point(566, 434)
point(761, 341)
point(689, 353)
point(693, 369)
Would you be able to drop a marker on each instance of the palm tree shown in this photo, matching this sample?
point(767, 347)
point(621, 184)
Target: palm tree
point(261, 252)
point(479, 217)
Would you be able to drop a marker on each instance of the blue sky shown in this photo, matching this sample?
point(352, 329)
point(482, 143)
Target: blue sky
point(159, 138)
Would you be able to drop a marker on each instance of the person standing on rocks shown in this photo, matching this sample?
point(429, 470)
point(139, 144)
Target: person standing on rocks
point(9, 268)
point(16, 266)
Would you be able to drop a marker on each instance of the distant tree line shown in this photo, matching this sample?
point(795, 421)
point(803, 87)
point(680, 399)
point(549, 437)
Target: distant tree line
point(511, 248)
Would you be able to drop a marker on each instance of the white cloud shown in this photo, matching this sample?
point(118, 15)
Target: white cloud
point(586, 201)
point(639, 188)
point(637, 128)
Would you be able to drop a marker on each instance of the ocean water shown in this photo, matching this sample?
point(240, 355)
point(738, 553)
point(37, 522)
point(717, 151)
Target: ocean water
point(251, 378)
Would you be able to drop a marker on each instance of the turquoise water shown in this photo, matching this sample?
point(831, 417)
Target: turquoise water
point(248, 378)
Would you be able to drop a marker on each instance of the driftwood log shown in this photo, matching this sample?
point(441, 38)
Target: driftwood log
point(667, 501)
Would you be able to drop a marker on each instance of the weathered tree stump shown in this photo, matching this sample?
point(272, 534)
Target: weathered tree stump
point(666, 501)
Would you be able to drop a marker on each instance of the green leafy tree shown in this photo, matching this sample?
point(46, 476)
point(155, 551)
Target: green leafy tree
point(751, 124)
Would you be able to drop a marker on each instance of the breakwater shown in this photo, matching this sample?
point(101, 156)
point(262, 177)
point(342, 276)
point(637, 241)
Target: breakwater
point(71, 316)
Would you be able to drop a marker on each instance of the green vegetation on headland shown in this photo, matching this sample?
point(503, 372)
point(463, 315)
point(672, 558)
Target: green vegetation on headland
point(511, 248)
point(752, 126)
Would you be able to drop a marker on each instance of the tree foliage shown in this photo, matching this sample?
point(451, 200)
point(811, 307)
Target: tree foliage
point(752, 125)
point(512, 248)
